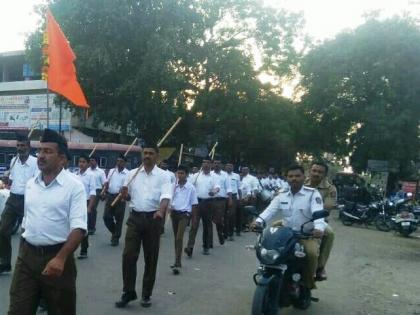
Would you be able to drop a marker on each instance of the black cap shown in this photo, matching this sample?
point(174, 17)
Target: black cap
point(52, 136)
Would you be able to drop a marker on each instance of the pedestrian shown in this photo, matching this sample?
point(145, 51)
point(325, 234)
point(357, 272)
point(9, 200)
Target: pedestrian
point(206, 187)
point(221, 202)
point(114, 214)
point(184, 201)
point(22, 168)
point(88, 180)
point(297, 206)
point(100, 178)
point(149, 190)
point(318, 179)
point(231, 214)
point(54, 224)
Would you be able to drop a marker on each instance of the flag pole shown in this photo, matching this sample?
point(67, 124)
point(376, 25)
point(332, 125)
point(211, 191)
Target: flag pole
point(60, 117)
point(48, 107)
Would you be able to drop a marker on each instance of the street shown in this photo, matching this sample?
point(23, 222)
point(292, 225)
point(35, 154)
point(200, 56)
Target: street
point(370, 272)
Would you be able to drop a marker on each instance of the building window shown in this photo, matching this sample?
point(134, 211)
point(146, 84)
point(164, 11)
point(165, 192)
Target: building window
point(102, 162)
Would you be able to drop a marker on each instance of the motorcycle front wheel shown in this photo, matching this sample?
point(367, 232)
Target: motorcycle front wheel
point(304, 300)
point(260, 302)
point(382, 224)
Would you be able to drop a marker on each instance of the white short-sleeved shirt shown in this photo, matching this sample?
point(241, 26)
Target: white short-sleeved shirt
point(116, 180)
point(204, 184)
point(148, 189)
point(53, 211)
point(223, 182)
point(184, 198)
point(21, 173)
point(99, 176)
point(235, 182)
point(296, 209)
point(88, 181)
point(251, 183)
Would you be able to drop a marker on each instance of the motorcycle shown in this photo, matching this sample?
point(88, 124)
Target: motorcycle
point(281, 258)
point(374, 213)
point(405, 222)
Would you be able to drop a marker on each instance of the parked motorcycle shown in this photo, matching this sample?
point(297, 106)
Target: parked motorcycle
point(278, 278)
point(372, 214)
point(405, 222)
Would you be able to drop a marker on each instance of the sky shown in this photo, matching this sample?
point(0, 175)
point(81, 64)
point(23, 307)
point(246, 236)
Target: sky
point(324, 18)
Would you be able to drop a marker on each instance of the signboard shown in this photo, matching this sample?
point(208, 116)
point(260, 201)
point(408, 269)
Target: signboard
point(379, 180)
point(24, 111)
point(377, 166)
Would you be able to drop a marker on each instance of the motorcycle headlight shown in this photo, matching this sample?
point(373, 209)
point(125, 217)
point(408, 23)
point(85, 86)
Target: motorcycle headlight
point(269, 256)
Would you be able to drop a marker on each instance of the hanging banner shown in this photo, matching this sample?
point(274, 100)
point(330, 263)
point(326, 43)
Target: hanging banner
point(22, 112)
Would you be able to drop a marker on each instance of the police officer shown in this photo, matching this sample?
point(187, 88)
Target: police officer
point(297, 204)
point(22, 168)
point(149, 190)
point(318, 179)
point(54, 224)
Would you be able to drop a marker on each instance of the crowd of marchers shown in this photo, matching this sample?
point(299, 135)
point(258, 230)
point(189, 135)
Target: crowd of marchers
point(58, 210)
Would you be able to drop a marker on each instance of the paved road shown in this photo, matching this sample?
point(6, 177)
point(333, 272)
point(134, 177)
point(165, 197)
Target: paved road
point(370, 272)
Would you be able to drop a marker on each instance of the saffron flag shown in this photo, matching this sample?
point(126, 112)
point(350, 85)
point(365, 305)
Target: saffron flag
point(59, 70)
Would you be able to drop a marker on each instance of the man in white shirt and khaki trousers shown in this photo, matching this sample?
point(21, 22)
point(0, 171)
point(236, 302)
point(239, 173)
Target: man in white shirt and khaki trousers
point(114, 215)
point(149, 190)
point(54, 224)
point(22, 168)
point(183, 203)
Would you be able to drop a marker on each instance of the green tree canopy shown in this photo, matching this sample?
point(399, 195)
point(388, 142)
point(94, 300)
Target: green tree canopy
point(362, 93)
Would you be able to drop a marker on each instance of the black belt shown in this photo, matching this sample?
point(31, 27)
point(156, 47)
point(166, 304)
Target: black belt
point(204, 199)
point(220, 198)
point(181, 212)
point(17, 196)
point(143, 214)
point(44, 249)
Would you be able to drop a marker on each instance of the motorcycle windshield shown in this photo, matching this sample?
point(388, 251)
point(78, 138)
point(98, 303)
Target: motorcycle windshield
point(281, 239)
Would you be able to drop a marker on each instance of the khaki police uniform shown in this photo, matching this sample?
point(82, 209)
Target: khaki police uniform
point(329, 197)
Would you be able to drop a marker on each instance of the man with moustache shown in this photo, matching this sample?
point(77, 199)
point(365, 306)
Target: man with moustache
point(54, 224)
point(318, 179)
point(22, 168)
point(149, 190)
point(297, 205)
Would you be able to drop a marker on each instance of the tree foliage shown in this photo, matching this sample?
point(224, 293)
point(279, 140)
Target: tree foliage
point(362, 93)
point(143, 63)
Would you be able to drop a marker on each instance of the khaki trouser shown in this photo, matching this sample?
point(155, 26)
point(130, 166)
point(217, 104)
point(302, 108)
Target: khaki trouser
point(311, 261)
point(203, 212)
point(28, 284)
point(179, 224)
point(114, 216)
point(326, 247)
point(13, 211)
point(142, 230)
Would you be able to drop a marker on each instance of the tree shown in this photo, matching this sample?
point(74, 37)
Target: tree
point(362, 92)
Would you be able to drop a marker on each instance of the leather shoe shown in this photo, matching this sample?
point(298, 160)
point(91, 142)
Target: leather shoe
point(5, 268)
point(321, 275)
point(188, 251)
point(145, 302)
point(126, 297)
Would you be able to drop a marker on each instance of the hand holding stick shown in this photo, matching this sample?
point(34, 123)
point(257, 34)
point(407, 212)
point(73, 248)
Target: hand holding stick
point(126, 187)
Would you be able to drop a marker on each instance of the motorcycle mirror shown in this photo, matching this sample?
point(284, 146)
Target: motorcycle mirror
point(320, 214)
point(409, 194)
point(252, 210)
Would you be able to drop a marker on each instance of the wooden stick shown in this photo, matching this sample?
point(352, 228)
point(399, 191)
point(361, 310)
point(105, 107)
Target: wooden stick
point(169, 132)
point(93, 150)
point(199, 173)
point(32, 129)
point(131, 146)
point(180, 154)
point(104, 188)
point(213, 150)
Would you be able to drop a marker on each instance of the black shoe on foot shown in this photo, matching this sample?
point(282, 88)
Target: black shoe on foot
point(114, 242)
point(145, 302)
point(82, 255)
point(5, 268)
point(238, 234)
point(206, 251)
point(230, 238)
point(126, 297)
point(221, 240)
point(188, 251)
point(91, 231)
